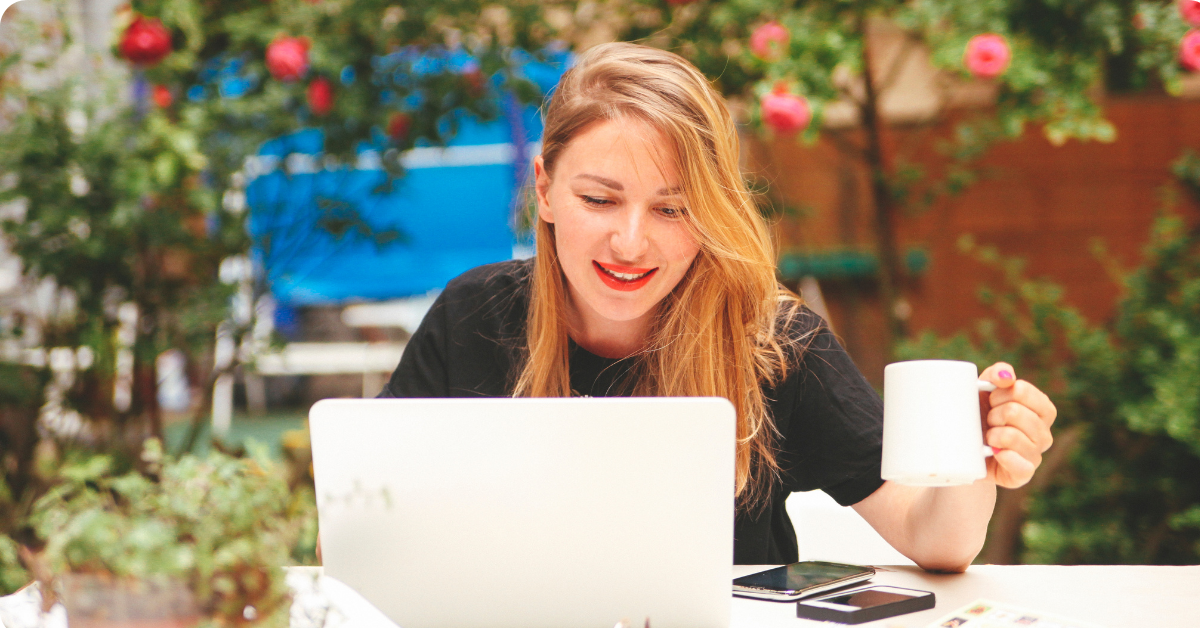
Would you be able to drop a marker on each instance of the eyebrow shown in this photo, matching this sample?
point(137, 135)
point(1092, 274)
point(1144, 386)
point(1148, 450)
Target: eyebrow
point(616, 185)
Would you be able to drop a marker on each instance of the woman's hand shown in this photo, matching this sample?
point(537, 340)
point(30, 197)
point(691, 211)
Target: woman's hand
point(1016, 422)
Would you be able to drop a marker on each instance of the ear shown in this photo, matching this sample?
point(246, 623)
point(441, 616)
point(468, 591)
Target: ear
point(541, 186)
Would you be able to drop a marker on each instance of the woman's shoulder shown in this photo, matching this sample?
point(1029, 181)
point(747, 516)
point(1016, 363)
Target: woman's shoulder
point(485, 281)
point(489, 301)
point(796, 324)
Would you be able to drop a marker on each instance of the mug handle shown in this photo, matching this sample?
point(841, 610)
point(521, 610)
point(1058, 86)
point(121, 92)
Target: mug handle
point(986, 387)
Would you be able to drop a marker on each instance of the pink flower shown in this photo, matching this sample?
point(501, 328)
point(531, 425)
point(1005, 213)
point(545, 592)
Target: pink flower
point(1190, 11)
point(987, 56)
point(287, 58)
point(769, 41)
point(1189, 51)
point(320, 96)
point(146, 41)
point(786, 114)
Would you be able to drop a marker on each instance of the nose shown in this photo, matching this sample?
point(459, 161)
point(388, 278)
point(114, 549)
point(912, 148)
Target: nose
point(630, 237)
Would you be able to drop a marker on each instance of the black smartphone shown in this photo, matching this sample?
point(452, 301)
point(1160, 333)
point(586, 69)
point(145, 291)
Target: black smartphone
point(865, 604)
point(797, 580)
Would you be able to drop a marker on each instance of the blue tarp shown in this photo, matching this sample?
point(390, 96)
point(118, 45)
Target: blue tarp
point(453, 210)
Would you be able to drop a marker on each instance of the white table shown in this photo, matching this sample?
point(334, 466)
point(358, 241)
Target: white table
point(1110, 596)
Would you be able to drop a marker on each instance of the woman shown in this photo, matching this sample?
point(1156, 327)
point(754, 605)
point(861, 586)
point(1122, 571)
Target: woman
point(655, 275)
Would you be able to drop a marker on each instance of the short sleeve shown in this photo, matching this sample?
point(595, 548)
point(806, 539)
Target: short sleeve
point(422, 369)
point(833, 431)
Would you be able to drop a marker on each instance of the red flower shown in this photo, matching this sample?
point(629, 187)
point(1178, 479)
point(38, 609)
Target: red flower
point(320, 96)
point(398, 126)
point(474, 79)
point(162, 96)
point(146, 41)
point(287, 58)
point(987, 56)
point(1190, 11)
point(786, 114)
point(1189, 51)
point(769, 41)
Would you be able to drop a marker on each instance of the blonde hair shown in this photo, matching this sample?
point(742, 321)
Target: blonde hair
point(721, 331)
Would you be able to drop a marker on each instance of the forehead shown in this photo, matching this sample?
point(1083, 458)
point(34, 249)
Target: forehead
point(623, 146)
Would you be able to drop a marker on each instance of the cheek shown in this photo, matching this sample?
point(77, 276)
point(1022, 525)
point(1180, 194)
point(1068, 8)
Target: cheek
point(680, 245)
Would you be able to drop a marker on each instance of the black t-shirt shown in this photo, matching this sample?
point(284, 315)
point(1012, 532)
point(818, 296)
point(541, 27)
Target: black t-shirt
point(830, 419)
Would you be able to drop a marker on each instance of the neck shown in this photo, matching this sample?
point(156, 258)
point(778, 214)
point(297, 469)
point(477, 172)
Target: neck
point(607, 338)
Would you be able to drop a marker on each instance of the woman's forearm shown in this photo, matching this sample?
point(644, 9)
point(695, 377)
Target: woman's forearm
point(940, 529)
point(948, 525)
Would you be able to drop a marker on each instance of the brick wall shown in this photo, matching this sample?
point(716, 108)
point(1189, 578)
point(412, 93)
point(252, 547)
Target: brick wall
point(1043, 203)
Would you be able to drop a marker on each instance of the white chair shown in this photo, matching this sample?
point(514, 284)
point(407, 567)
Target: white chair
point(828, 531)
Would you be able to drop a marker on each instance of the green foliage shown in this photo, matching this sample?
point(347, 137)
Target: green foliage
point(224, 525)
point(362, 47)
point(1129, 489)
point(113, 208)
point(1133, 491)
point(1160, 322)
point(12, 574)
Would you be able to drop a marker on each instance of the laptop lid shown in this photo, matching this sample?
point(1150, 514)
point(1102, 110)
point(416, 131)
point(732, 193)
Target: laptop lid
point(528, 513)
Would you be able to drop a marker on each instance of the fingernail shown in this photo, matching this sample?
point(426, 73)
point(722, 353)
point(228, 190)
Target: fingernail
point(995, 450)
point(1005, 375)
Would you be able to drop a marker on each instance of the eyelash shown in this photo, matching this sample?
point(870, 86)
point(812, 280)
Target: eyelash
point(679, 212)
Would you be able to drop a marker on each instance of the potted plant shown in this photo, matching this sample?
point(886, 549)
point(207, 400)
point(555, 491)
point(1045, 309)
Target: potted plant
point(174, 542)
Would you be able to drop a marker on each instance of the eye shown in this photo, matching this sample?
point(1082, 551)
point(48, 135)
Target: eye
point(672, 212)
point(595, 202)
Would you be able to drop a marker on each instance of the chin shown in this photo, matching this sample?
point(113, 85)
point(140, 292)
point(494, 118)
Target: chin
point(623, 315)
point(622, 311)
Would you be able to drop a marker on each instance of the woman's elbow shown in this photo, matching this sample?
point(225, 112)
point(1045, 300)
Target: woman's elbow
point(947, 559)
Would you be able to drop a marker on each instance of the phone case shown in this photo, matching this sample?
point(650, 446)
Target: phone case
point(863, 615)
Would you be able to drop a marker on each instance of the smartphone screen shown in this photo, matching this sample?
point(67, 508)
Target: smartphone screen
point(800, 576)
point(866, 598)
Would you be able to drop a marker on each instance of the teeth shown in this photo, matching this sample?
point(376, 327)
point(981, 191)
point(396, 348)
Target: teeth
point(625, 276)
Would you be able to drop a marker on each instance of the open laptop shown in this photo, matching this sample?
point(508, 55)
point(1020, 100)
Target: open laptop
point(529, 513)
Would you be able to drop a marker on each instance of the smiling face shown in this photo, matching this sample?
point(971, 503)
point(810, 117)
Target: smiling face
point(619, 214)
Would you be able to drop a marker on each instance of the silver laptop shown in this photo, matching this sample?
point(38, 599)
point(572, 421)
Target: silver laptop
point(529, 513)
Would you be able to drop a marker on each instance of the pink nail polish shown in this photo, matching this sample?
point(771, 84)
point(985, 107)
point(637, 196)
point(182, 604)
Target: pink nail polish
point(1004, 375)
point(995, 450)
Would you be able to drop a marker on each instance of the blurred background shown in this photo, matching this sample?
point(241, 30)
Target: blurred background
point(217, 213)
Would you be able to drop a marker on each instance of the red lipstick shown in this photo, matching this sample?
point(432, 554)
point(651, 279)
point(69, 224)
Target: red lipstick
point(606, 273)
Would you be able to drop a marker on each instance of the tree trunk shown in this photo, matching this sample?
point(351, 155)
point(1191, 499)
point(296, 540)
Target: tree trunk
point(1004, 534)
point(890, 271)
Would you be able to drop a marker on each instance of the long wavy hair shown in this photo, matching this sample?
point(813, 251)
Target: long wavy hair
point(722, 331)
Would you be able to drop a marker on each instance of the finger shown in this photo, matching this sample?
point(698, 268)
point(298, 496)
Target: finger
point(1010, 470)
point(1002, 374)
point(1028, 395)
point(1012, 439)
point(1015, 415)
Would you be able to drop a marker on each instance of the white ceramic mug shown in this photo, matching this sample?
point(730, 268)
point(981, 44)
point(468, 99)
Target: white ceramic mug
point(932, 434)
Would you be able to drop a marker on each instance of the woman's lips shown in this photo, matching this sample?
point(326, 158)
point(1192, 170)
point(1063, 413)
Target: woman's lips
point(609, 275)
